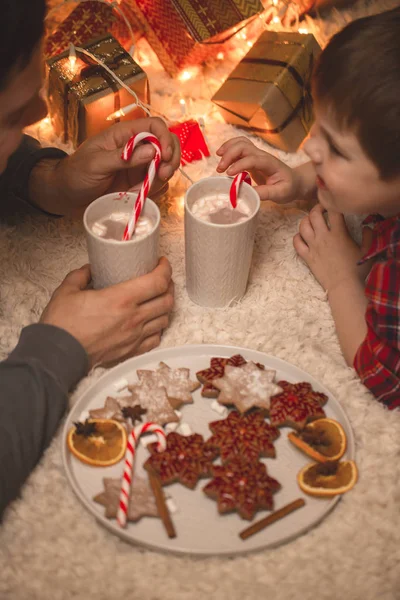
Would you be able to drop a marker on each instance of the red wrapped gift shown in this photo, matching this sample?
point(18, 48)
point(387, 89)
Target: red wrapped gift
point(193, 144)
point(186, 32)
point(90, 20)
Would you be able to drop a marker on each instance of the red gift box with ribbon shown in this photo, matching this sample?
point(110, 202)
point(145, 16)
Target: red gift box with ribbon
point(186, 32)
point(193, 144)
point(90, 20)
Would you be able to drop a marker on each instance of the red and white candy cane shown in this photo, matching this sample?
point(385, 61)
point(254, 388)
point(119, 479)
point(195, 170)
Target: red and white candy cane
point(148, 180)
point(234, 191)
point(127, 477)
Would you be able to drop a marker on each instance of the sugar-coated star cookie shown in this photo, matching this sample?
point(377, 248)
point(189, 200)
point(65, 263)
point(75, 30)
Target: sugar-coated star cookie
point(150, 398)
point(155, 400)
point(215, 371)
point(112, 409)
point(246, 387)
point(176, 382)
point(297, 404)
point(141, 500)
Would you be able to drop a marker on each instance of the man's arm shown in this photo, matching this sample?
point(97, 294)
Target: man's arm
point(15, 181)
point(34, 384)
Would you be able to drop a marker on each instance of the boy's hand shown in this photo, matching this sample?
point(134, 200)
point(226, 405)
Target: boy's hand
point(328, 250)
point(116, 322)
point(275, 180)
point(332, 256)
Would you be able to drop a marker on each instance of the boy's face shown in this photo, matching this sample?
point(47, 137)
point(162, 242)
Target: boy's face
point(347, 180)
point(20, 105)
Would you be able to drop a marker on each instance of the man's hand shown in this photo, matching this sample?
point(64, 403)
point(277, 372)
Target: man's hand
point(67, 186)
point(117, 322)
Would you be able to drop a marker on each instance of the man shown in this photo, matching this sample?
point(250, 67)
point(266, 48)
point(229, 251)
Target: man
point(80, 327)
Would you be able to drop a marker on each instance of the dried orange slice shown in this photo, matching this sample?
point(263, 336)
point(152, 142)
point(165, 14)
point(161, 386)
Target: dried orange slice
point(98, 442)
point(328, 479)
point(324, 440)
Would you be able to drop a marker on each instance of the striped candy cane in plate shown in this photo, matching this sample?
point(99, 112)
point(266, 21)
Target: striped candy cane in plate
point(234, 190)
point(144, 136)
point(127, 477)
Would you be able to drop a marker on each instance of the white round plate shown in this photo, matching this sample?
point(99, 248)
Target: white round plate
point(200, 529)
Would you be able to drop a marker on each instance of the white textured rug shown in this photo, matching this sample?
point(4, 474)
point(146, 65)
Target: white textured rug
point(51, 548)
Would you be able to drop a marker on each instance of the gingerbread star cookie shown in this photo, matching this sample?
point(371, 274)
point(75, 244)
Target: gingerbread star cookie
point(141, 499)
point(185, 459)
point(112, 409)
point(215, 371)
point(296, 405)
point(242, 485)
point(151, 399)
point(155, 400)
point(246, 387)
point(247, 435)
point(176, 382)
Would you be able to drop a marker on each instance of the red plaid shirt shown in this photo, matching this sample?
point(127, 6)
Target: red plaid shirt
point(378, 358)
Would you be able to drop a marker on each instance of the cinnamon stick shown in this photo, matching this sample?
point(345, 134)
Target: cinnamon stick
point(275, 516)
point(161, 504)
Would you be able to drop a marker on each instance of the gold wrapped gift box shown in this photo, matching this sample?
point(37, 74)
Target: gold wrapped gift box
point(81, 98)
point(268, 93)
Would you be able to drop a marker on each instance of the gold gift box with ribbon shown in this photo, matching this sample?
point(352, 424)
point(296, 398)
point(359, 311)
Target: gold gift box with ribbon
point(82, 96)
point(269, 93)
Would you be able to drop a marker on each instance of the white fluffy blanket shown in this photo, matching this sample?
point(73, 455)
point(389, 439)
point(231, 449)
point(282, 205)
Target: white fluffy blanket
point(52, 549)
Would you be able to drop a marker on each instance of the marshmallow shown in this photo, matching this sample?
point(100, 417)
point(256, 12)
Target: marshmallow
point(219, 408)
point(184, 429)
point(121, 384)
point(171, 427)
point(171, 505)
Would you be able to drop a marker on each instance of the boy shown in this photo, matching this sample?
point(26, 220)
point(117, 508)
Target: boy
point(354, 168)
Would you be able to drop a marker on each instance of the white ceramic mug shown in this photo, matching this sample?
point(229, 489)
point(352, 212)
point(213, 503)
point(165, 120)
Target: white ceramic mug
point(218, 257)
point(113, 261)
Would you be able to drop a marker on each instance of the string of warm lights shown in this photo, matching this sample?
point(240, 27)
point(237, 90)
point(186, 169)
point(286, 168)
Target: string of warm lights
point(73, 66)
point(272, 19)
point(186, 106)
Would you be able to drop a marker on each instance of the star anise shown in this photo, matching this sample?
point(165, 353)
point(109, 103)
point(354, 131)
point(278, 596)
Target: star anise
point(86, 429)
point(134, 413)
point(314, 438)
point(328, 468)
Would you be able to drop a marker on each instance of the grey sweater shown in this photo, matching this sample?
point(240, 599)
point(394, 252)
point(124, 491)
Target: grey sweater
point(47, 362)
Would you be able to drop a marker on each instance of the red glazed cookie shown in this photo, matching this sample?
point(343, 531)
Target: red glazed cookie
point(216, 370)
point(185, 459)
point(296, 405)
point(245, 435)
point(247, 387)
point(242, 485)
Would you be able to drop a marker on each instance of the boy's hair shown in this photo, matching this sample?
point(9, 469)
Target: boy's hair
point(357, 76)
point(21, 27)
